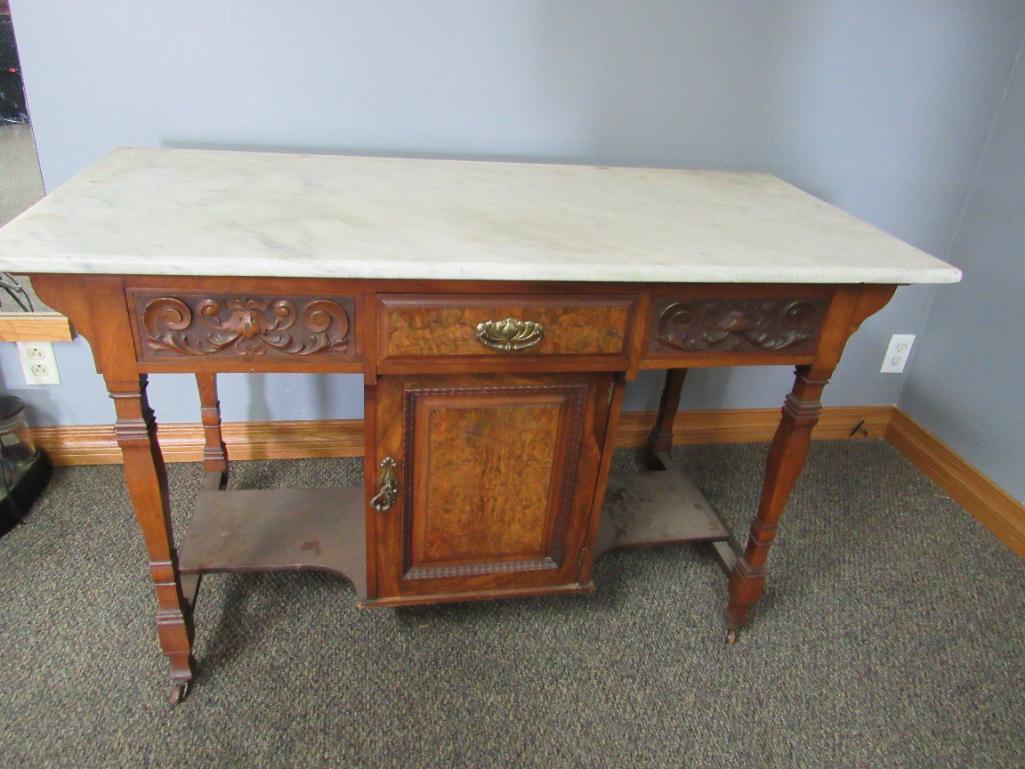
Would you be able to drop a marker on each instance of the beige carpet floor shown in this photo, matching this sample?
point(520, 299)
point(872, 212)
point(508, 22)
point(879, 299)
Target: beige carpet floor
point(892, 634)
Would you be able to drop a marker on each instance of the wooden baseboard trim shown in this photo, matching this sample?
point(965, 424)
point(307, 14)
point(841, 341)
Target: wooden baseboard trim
point(997, 510)
point(994, 507)
point(752, 425)
point(95, 444)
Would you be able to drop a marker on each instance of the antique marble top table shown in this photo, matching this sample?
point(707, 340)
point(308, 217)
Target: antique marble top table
point(495, 312)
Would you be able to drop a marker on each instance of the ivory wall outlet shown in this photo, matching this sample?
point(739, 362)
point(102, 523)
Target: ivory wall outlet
point(38, 363)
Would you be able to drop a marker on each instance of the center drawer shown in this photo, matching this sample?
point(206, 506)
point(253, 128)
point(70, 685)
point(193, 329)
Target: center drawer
point(497, 331)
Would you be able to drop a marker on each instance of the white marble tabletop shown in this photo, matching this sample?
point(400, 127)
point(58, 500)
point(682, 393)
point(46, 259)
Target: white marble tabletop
point(212, 212)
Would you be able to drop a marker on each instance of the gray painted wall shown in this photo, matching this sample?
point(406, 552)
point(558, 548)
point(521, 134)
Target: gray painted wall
point(968, 381)
point(881, 108)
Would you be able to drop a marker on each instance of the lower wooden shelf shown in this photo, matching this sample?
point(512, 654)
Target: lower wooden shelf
point(656, 507)
point(323, 528)
point(278, 529)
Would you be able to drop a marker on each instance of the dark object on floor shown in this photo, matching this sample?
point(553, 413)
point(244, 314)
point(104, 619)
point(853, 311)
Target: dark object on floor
point(15, 503)
point(23, 470)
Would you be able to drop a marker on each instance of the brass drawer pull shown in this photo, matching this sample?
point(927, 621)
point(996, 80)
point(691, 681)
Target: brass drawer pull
point(510, 334)
point(387, 487)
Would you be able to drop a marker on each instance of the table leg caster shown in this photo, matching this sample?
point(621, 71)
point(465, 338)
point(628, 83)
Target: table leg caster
point(731, 636)
point(178, 692)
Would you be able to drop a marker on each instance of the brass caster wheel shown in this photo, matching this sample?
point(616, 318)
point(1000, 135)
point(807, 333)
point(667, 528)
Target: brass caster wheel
point(731, 636)
point(178, 692)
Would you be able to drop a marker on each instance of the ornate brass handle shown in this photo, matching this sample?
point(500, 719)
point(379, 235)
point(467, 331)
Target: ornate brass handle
point(387, 487)
point(510, 334)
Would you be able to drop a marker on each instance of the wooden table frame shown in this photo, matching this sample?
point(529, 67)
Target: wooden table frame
point(110, 312)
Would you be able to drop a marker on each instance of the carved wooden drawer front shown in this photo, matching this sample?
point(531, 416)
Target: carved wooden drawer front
point(736, 326)
point(246, 326)
point(418, 326)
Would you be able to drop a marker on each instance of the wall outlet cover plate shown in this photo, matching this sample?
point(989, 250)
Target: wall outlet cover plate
point(897, 353)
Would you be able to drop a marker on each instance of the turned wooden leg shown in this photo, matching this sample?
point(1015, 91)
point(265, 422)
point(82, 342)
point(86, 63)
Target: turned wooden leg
point(786, 459)
point(215, 454)
point(135, 430)
point(661, 438)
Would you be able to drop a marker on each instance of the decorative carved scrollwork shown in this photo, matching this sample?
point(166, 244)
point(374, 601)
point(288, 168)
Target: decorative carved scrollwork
point(244, 326)
point(738, 325)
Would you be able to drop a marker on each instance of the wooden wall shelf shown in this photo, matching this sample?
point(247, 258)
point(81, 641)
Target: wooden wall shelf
point(34, 327)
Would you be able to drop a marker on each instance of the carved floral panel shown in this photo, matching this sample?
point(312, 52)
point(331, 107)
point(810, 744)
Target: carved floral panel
point(243, 326)
point(737, 325)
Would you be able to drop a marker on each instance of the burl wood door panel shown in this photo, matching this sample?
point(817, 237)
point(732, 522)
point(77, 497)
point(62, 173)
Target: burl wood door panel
point(419, 329)
point(496, 477)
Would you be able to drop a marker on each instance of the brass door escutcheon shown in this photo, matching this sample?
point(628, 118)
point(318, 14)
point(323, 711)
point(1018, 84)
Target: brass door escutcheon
point(510, 334)
point(387, 487)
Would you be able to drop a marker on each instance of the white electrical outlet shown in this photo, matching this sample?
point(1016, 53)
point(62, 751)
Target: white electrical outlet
point(38, 363)
point(897, 353)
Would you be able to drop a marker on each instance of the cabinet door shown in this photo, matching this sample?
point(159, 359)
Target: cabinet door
point(495, 476)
